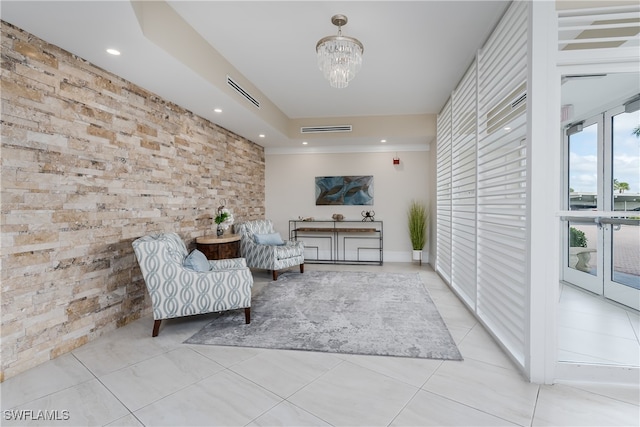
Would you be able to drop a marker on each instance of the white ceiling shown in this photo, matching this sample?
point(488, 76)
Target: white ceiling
point(415, 52)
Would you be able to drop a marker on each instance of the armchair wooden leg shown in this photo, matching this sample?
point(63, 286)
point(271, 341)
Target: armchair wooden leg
point(275, 275)
point(247, 315)
point(302, 268)
point(156, 328)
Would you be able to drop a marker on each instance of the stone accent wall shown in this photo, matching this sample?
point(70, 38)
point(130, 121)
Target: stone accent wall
point(90, 162)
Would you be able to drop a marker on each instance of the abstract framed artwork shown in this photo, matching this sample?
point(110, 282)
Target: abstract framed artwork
point(344, 190)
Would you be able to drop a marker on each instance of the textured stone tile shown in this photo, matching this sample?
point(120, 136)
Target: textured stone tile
point(91, 162)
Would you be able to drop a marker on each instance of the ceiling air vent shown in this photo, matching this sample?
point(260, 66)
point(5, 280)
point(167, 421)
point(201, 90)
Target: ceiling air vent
point(325, 129)
point(519, 100)
point(242, 92)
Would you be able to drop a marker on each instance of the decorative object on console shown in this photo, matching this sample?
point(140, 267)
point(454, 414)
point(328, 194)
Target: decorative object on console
point(224, 219)
point(339, 57)
point(338, 217)
point(368, 215)
point(344, 190)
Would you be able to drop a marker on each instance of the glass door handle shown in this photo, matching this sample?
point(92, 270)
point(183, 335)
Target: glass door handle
point(601, 220)
point(620, 221)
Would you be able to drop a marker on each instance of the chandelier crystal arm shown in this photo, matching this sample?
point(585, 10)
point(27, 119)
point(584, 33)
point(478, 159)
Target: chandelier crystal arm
point(343, 38)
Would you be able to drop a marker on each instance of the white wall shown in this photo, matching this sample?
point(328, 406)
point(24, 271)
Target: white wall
point(290, 191)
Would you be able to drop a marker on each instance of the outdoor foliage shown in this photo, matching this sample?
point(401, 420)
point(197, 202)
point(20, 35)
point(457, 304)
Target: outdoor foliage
point(620, 186)
point(577, 239)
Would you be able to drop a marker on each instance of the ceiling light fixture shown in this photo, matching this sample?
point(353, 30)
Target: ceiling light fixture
point(339, 57)
point(113, 51)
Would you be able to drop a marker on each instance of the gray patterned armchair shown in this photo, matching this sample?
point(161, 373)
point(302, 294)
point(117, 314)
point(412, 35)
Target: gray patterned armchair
point(264, 248)
point(182, 284)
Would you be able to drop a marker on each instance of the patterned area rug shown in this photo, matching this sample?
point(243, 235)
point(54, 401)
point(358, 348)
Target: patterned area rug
point(386, 314)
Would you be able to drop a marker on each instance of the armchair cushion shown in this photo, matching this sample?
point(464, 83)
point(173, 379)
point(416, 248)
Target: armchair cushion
point(227, 264)
point(197, 261)
point(268, 239)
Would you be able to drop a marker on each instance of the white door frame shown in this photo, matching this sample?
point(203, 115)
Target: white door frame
point(590, 282)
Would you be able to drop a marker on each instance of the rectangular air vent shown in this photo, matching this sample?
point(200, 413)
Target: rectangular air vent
point(325, 129)
point(242, 92)
point(507, 108)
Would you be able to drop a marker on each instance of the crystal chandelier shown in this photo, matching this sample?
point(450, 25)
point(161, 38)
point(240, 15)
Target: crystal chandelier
point(339, 57)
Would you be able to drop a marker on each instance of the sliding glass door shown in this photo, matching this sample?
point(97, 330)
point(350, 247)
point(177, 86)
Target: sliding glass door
point(603, 177)
point(584, 237)
point(622, 233)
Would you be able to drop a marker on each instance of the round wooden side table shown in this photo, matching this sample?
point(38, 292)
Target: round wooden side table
point(223, 247)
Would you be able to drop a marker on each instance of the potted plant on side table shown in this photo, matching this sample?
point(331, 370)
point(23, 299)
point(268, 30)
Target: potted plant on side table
point(223, 219)
point(417, 217)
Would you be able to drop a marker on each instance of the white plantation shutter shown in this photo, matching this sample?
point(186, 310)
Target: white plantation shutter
point(502, 191)
point(463, 187)
point(487, 236)
point(481, 190)
point(443, 196)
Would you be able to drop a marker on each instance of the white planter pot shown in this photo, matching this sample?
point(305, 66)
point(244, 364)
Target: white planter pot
point(417, 255)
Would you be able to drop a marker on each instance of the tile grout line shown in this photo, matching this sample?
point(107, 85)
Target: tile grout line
point(109, 390)
point(535, 405)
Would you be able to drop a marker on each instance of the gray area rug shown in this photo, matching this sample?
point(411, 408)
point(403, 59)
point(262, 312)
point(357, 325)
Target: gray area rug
point(386, 314)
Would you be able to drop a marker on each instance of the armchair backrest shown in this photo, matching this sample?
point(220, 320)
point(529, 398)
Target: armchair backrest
point(159, 248)
point(259, 226)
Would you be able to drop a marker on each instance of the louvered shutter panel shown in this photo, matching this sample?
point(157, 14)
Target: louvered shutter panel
point(443, 189)
point(463, 187)
point(501, 179)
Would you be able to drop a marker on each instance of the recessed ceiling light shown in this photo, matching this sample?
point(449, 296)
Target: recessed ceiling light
point(507, 129)
point(217, 110)
point(304, 142)
point(383, 140)
point(261, 135)
point(113, 51)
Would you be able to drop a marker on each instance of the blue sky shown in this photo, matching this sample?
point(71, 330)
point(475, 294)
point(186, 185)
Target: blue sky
point(626, 155)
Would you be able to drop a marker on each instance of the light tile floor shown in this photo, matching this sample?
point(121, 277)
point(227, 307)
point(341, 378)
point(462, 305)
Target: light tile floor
point(592, 329)
point(127, 378)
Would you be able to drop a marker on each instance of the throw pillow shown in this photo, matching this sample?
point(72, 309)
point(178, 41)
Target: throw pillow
point(273, 239)
point(197, 261)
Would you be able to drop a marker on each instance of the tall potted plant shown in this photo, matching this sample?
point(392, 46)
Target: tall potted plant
point(417, 217)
